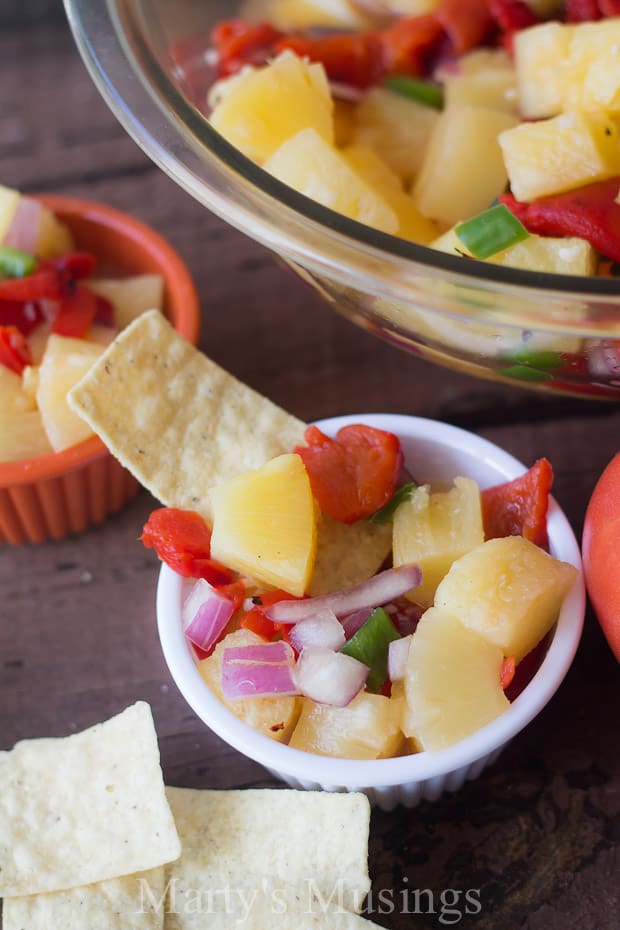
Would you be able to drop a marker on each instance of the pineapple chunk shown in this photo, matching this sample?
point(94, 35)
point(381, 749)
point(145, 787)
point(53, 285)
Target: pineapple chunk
point(433, 530)
point(274, 717)
point(452, 682)
point(289, 15)
point(65, 362)
point(54, 238)
point(367, 728)
point(397, 128)
point(508, 591)
point(564, 255)
point(558, 154)
point(463, 169)
point(15, 399)
point(313, 167)
point(130, 296)
point(264, 524)
point(30, 384)
point(9, 200)
point(371, 167)
point(22, 435)
point(541, 55)
point(265, 107)
point(485, 78)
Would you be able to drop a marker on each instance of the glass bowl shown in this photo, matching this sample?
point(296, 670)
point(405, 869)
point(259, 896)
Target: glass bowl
point(558, 333)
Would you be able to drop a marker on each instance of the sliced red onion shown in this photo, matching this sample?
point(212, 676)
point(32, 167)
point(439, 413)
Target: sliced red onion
point(23, 232)
point(378, 590)
point(323, 629)
point(205, 614)
point(257, 671)
point(329, 677)
point(397, 657)
point(404, 614)
point(352, 622)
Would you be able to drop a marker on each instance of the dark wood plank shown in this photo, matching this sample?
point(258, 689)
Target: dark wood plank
point(536, 834)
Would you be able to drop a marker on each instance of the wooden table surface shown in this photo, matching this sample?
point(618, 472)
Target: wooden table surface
point(539, 832)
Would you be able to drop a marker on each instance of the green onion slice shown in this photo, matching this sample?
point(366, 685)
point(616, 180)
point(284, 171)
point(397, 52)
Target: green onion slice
point(386, 514)
point(14, 263)
point(371, 644)
point(425, 92)
point(491, 232)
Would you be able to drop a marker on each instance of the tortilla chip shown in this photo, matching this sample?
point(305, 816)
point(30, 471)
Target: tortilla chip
point(175, 419)
point(84, 808)
point(117, 904)
point(295, 836)
point(346, 555)
point(256, 903)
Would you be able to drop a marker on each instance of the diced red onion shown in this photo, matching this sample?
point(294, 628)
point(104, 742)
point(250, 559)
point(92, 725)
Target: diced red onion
point(397, 657)
point(352, 622)
point(257, 671)
point(23, 232)
point(205, 614)
point(323, 629)
point(604, 361)
point(378, 590)
point(404, 614)
point(329, 677)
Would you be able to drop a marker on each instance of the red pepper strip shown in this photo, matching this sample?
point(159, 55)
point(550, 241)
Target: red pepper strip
point(588, 212)
point(467, 22)
point(507, 672)
point(14, 350)
point(239, 43)
point(353, 475)
point(44, 283)
point(519, 507)
point(351, 58)
point(182, 540)
point(73, 265)
point(512, 15)
point(582, 11)
point(408, 44)
point(76, 314)
point(256, 620)
point(610, 7)
point(26, 316)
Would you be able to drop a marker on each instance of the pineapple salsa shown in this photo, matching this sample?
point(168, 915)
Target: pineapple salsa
point(415, 658)
point(483, 128)
point(56, 319)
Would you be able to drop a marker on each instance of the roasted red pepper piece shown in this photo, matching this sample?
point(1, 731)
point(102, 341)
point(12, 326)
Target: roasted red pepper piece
point(519, 507)
point(25, 315)
point(507, 672)
point(407, 44)
point(588, 212)
point(582, 11)
point(14, 350)
point(239, 43)
point(40, 284)
point(353, 475)
point(467, 22)
point(76, 314)
point(73, 265)
point(512, 15)
point(351, 58)
point(182, 540)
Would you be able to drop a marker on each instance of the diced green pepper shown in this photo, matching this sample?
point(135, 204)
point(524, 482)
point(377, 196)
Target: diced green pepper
point(425, 92)
point(491, 232)
point(14, 263)
point(370, 645)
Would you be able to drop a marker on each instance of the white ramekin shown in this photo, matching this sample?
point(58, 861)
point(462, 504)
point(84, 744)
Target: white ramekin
point(435, 452)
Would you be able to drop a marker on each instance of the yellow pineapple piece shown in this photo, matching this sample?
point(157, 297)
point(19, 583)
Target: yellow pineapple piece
point(9, 200)
point(485, 78)
point(561, 153)
point(397, 128)
point(371, 167)
point(452, 683)
point(131, 296)
point(344, 122)
point(22, 435)
point(267, 106)
point(314, 168)
point(289, 15)
point(13, 397)
point(432, 530)
point(264, 524)
point(541, 55)
point(64, 363)
point(463, 169)
point(54, 237)
point(367, 728)
point(563, 255)
point(30, 384)
point(274, 717)
point(508, 591)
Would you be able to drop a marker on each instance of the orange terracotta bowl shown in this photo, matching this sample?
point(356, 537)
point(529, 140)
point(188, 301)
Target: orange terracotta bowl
point(53, 495)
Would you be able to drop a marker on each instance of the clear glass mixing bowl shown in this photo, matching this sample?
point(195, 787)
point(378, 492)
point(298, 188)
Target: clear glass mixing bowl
point(553, 332)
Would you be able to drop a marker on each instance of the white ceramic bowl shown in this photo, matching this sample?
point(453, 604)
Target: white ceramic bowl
point(433, 452)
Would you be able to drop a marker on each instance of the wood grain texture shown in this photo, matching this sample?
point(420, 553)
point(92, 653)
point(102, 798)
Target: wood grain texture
point(538, 833)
